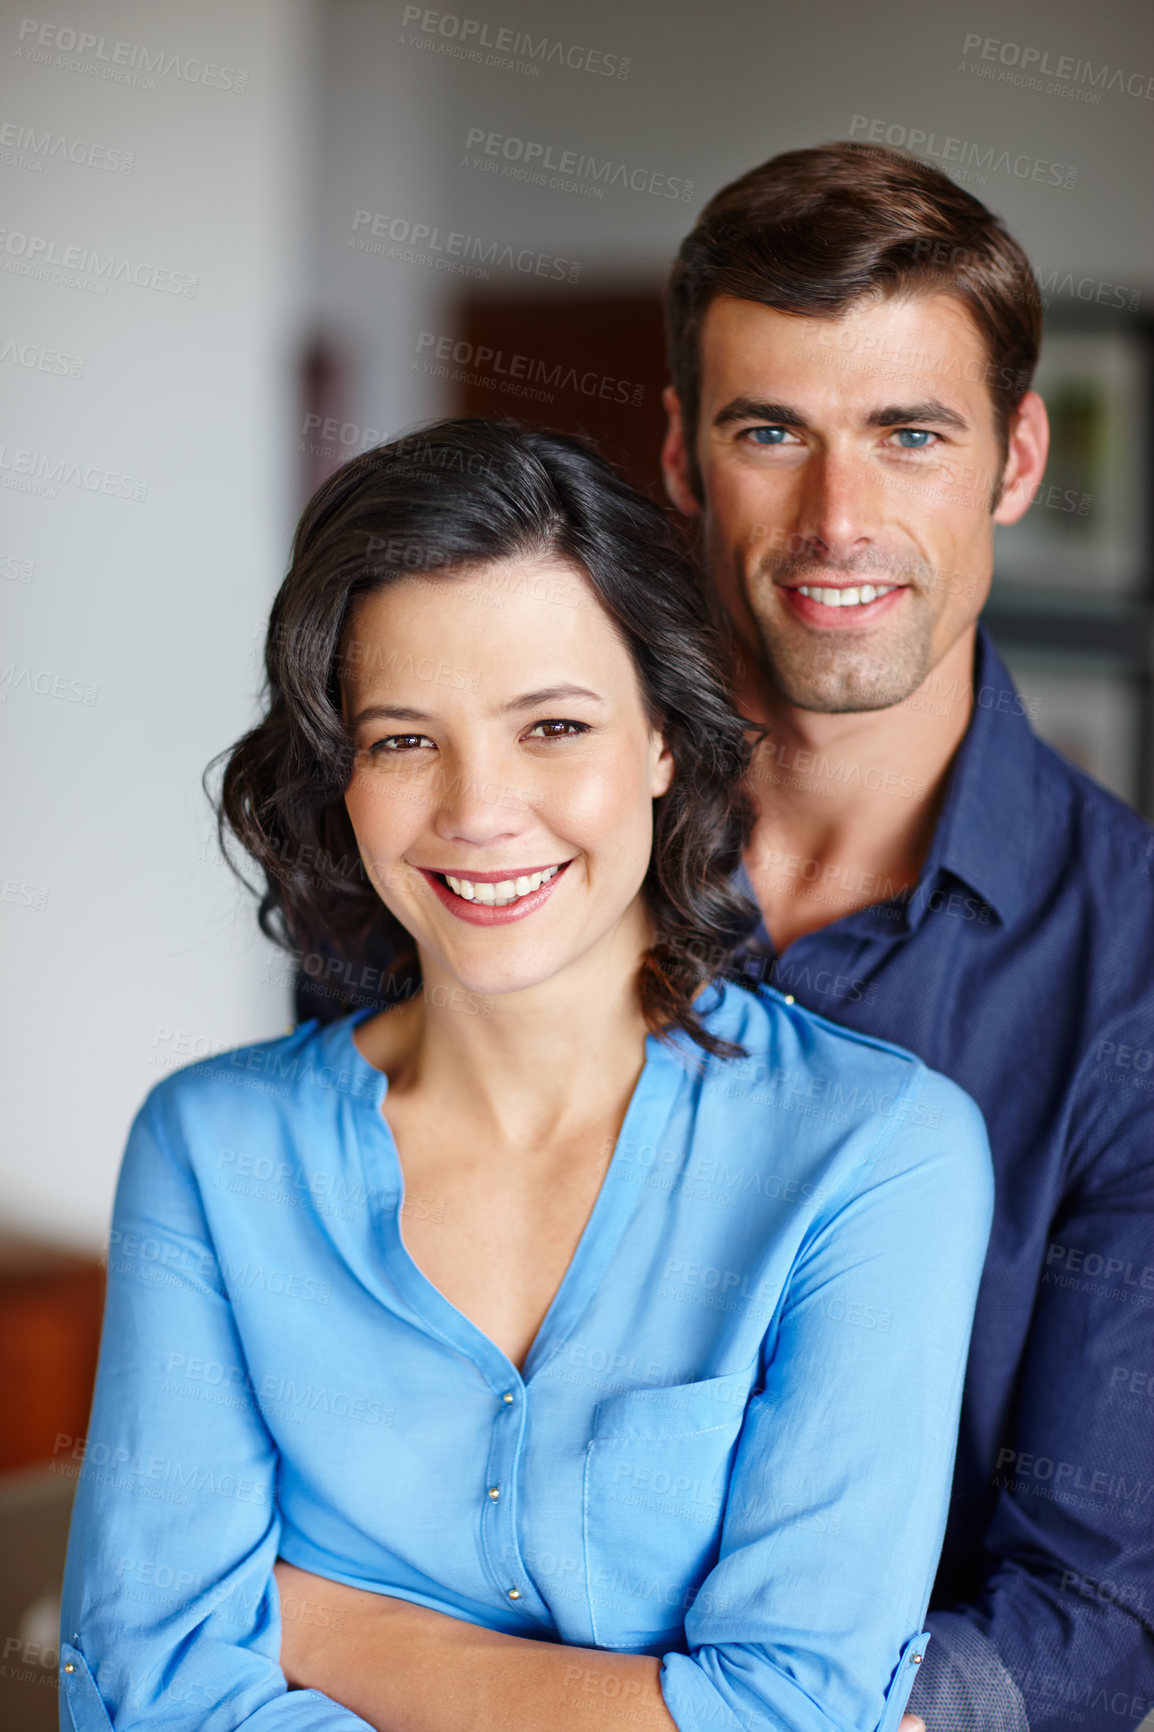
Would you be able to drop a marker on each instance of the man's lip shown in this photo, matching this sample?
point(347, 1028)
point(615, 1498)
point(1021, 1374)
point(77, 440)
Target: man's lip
point(828, 616)
point(472, 877)
point(845, 583)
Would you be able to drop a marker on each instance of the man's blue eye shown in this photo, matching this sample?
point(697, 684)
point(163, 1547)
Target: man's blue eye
point(769, 435)
point(913, 438)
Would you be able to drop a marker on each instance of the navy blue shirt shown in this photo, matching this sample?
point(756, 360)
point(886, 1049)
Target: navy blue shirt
point(1022, 966)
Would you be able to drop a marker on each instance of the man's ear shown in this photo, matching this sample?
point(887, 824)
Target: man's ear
point(1025, 460)
point(675, 457)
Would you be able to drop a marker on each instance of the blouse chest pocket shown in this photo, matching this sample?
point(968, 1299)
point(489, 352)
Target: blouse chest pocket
point(656, 1479)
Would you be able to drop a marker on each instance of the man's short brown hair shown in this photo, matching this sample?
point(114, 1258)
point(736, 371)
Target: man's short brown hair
point(813, 232)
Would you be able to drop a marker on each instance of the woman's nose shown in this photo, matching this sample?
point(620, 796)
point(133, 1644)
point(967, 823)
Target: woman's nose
point(478, 800)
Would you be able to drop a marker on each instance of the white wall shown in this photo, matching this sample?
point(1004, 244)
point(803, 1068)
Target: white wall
point(117, 920)
point(710, 91)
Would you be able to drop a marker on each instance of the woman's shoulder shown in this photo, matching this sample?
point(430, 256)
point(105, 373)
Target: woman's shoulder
point(841, 1071)
point(312, 1065)
point(767, 1022)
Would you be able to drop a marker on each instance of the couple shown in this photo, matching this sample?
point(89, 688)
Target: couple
point(584, 1336)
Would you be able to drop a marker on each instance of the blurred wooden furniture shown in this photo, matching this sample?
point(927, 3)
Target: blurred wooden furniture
point(51, 1304)
point(582, 362)
point(35, 1506)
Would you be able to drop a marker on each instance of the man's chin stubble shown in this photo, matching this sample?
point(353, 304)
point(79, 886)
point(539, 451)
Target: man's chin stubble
point(835, 677)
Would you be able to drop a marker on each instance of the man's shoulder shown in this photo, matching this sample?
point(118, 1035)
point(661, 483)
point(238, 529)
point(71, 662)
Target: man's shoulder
point(1097, 844)
point(1068, 835)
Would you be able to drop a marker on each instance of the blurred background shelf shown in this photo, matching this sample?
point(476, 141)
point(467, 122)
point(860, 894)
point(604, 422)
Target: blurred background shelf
point(51, 1305)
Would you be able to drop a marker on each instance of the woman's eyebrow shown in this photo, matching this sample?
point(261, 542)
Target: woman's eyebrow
point(389, 713)
point(529, 701)
point(548, 695)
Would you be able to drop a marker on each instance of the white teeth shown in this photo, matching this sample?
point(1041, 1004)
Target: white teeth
point(851, 597)
point(506, 890)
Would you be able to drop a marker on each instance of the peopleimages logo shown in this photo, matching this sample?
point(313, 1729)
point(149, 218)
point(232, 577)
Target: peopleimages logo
point(529, 160)
point(1036, 63)
point(960, 155)
point(80, 266)
point(508, 49)
point(120, 62)
point(422, 243)
point(515, 374)
point(38, 472)
point(24, 147)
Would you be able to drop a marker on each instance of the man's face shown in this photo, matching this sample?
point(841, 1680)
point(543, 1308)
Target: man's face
point(851, 471)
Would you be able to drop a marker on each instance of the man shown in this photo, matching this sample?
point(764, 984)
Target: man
point(851, 339)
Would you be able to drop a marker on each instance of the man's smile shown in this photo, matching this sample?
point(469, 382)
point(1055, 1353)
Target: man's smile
point(841, 606)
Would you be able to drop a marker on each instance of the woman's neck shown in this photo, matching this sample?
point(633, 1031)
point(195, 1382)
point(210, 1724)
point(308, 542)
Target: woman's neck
point(523, 1067)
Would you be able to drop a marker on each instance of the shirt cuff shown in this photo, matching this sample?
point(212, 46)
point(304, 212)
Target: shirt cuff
point(82, 1706)
point(962, 1685)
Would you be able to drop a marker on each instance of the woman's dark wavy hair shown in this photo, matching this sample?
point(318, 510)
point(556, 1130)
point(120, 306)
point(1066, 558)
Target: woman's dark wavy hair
point(454, 496)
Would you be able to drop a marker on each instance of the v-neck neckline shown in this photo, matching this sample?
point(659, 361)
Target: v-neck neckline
point(649, 1106)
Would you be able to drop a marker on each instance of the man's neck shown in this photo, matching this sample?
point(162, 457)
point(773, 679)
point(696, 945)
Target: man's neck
point(849, 803)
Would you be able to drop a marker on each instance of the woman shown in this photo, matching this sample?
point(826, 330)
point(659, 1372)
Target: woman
point(586, 1332)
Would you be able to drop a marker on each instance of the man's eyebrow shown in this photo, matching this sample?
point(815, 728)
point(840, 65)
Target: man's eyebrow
point(753, 409)
point(528, 701)
point(931, 409)
point(908, 414)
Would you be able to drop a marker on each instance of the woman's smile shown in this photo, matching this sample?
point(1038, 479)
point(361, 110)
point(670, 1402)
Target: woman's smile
point(491, 898)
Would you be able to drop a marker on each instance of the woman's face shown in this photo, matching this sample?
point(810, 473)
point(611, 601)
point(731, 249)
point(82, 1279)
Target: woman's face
point(504, 772)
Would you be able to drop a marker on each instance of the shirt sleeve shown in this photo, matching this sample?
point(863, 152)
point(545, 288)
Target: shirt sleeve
point(1065, 1615)
point(840, 1484)
point(963, 1686)
point(170, 1615)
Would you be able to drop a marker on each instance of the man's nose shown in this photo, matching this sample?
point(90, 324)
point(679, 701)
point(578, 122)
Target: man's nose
point(841, 505)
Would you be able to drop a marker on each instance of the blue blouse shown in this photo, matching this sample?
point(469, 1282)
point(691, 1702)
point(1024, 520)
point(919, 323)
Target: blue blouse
point(731, 1445)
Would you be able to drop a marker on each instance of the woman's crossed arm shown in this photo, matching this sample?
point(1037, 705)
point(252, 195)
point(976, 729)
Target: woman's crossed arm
point(407, 1668)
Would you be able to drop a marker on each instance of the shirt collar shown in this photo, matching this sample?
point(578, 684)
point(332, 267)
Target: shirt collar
point(986, 830)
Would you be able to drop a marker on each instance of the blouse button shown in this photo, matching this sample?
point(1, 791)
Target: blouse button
point(514, 1593)
point(494, 1492)
point(70, 1667)
point(507, 1398)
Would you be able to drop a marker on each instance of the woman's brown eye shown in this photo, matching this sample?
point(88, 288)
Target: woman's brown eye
point(558, 730)
point(398, 743)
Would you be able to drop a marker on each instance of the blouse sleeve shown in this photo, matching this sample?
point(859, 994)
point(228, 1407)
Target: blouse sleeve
point(811, 1619)
point(170, 1614)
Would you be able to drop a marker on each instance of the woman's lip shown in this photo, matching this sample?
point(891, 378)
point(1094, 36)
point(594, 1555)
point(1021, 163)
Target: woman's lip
point(843, 618)
point(485, 913)
point(511, 872)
